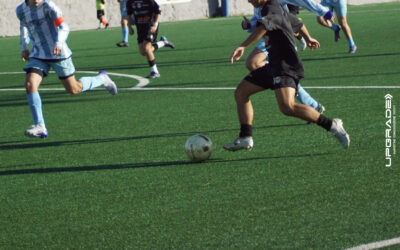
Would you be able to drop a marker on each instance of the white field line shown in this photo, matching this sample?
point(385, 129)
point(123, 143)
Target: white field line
point(144, 82)
point(376, 245)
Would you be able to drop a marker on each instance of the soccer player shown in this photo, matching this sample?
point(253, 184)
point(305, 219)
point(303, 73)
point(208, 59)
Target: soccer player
point(340, 7)
point(100, 14)
point(282, 75)
point(42, 23)
point(124, 24)
point(147, 17)
point(258, 58)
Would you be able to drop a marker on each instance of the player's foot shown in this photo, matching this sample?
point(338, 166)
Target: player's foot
point(106, 26)
point(320, 109)
point(122, 44)
point(38, 130)
point(337, 34)
point(240, 143)
point(339, 132)
point(353, 49)
point(167, 43)
point(303, 44)
point(153, 75)
point(108, 83)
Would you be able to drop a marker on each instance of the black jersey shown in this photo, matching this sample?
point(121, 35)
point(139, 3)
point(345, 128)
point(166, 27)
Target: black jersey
point(282, 54)
point(143, 10)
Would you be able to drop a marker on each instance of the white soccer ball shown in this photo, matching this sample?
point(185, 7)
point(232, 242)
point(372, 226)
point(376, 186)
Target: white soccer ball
point(198, 147)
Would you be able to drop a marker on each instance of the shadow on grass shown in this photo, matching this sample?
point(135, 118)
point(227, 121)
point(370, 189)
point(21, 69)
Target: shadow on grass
point(145, 165)
point(43, 144)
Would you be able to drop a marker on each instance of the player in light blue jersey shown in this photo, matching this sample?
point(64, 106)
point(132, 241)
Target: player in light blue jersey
point(259, 57)
point(310, 5)
point(124, 24)
point(340, 7)
point(42, 23)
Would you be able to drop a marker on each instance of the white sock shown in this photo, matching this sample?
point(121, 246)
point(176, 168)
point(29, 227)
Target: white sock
point(154, 68)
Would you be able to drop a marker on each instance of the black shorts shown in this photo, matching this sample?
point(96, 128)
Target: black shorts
point(100, 13)
point(144, 34)
point(265, 78)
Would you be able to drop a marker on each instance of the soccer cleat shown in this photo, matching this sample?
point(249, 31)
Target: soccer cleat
point(353, 49)
point(122, 44)
point(167, 43)
point(153, 75)
point(303, 44)
point(106, 26)
point(108, 83)
point(240, 143)
point(339, 132)
point(38, 130)
point(337, 34)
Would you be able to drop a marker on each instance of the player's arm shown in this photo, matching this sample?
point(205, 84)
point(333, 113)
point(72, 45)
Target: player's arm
point(154, 25)
point(255, 36)
point(62, 34)
point(24, 41)
point(311, 42)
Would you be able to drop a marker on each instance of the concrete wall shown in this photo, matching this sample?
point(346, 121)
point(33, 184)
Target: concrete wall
point(81, 14)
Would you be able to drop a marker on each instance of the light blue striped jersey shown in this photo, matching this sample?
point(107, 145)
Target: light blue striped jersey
point(309, 5)
point(37, 24)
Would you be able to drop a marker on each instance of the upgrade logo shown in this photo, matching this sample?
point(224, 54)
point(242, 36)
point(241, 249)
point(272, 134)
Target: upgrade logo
point(390, 130)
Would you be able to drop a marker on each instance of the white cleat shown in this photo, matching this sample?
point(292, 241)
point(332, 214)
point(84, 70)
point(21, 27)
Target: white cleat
point(339, 132)
point(239, 143)
point(38, 130)
point(108, 83)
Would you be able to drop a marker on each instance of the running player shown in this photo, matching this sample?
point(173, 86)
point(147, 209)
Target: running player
point(258, 58)
point(340, 7)
point(124, 24)
point(42, 23)
point(147, 17)
point(282, 75)
point(100, 14)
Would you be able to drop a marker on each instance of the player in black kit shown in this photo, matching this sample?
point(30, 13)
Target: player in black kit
point(147, 16)
point(281, 75)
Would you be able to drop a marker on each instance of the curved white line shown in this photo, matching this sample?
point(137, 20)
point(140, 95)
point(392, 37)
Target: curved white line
point(142, 81)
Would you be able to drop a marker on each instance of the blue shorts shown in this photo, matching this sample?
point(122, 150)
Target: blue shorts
point(340, 6)
point(63, 68)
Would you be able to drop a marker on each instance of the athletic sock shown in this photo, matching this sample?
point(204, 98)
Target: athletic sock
point(125, 34)
point(351, 42)
point(305, 98)
point(324, 122)
point(335, 27)
point(299, 37)
point(35, 105)
point(246, 130)
point(91, 82)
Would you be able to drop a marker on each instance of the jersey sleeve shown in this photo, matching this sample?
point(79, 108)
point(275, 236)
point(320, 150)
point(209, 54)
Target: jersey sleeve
point(56, 16)
point(156, 8)
point(23, 32)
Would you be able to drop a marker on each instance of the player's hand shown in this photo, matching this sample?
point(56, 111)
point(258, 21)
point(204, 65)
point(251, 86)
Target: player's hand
point(245, 23)
point(153, 29)
point(25, 55)
point(131, 31)
point(313, 44)
point(237, 54)
point(56, 50)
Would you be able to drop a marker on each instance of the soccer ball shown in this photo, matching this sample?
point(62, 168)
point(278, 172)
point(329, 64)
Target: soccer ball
point(198, 147)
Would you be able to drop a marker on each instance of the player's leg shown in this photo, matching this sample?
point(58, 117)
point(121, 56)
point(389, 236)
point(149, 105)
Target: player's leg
point(287, 105)
point(341, 10)
point(35, 71)
point(125, 32)
point(256, 59)
point(147, 49)
point(65, 70)
point(32, 82)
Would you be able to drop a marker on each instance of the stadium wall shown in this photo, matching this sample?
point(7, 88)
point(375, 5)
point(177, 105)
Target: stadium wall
point(81, 14)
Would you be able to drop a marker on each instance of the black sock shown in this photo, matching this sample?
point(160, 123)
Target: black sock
point(151, 63)
point(155, 46)
point(324, 122)
point(245, 130)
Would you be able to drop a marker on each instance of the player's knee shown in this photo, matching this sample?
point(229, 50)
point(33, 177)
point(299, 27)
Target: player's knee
point(241, 95)
point(287, 109)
